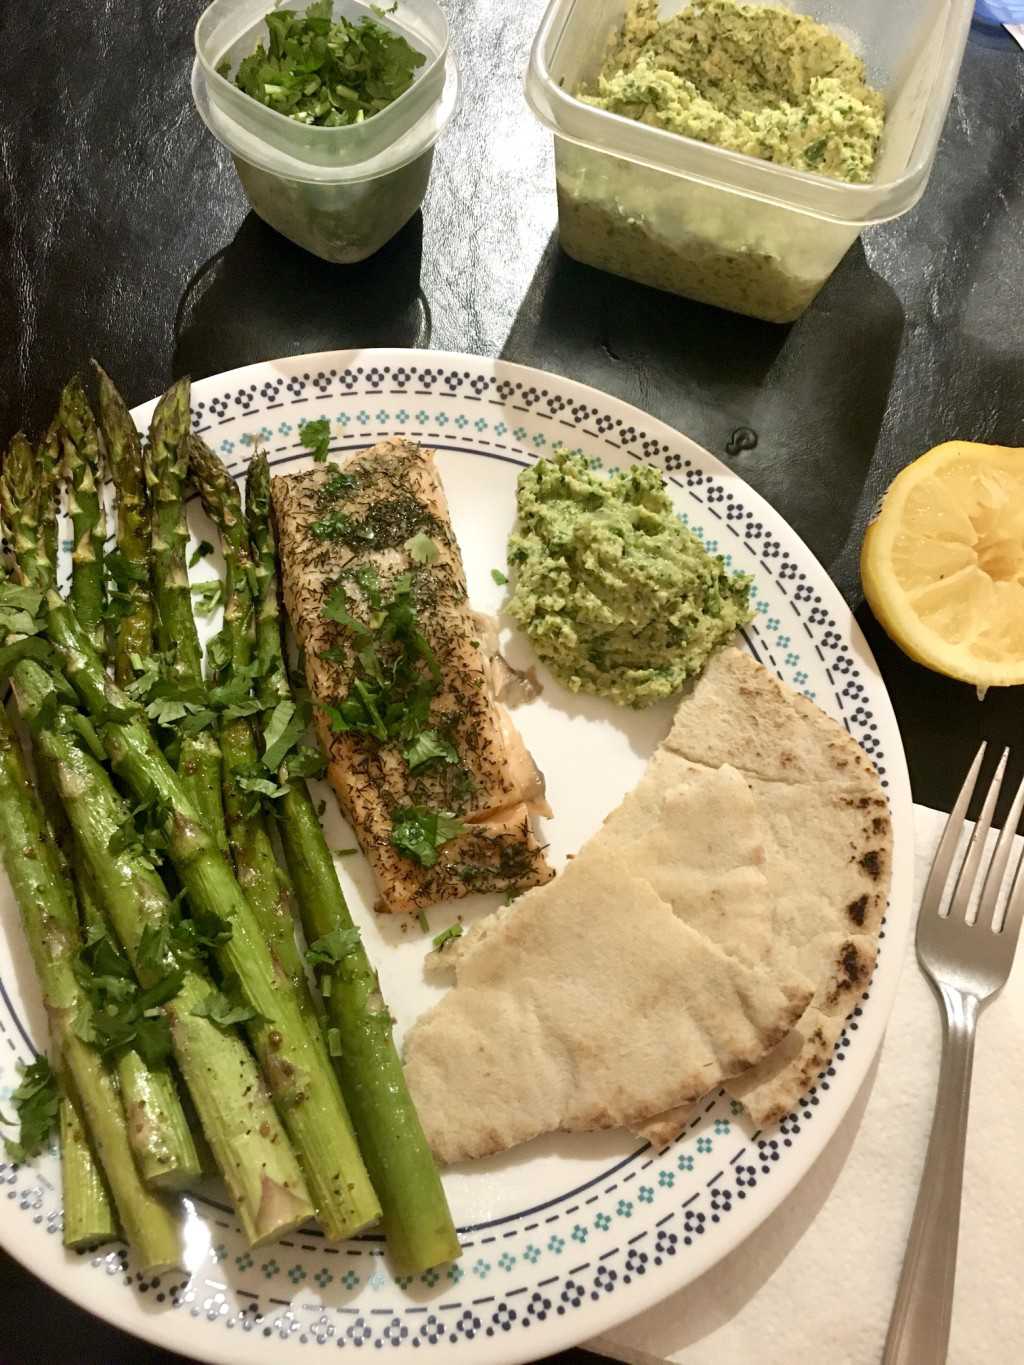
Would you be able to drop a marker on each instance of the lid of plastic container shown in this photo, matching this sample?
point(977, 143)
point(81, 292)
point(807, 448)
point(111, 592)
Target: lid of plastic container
point(255, 150)
point(658, 149)
point(1000, 11)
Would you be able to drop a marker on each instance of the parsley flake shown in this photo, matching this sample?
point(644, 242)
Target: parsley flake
point(499, 578)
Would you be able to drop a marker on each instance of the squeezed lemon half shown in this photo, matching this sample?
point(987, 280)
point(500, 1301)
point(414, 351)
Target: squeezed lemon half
point(943, 562)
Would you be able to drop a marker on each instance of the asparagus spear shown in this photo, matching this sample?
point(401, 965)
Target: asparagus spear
point(133, 633)
point(259, 873)
point(19, 501)
point(80, 440)
point(158, 1130)
point(88, 1213)
point(235, 1110)
point(416, 1216)
point(199, 762)
point(307, 1093)
point(48, 913)
point(48, 467)
point(157, 1127)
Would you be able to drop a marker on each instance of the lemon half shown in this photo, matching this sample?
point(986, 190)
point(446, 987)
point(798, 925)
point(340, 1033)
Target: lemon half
point(943, 562)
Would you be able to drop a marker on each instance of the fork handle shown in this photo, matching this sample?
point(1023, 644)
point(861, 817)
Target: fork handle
point(919, 1327)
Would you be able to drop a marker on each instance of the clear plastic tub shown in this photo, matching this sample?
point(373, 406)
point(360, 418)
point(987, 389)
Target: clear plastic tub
point(339, 192)
point(716, 225)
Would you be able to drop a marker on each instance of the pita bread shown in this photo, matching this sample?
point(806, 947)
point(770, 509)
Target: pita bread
point(589, 1003)
point(827, 839)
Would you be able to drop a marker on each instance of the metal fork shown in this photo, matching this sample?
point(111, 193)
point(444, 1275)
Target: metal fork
point(967, 963)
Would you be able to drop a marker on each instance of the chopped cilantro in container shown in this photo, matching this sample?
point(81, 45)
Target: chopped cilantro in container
point(324, 71)
point(331, 119)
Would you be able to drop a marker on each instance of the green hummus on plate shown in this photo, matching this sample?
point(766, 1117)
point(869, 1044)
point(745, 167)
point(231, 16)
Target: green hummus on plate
point(617, 596)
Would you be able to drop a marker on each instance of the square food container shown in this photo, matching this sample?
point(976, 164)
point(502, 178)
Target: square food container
point(339, 192)
point(719, 226)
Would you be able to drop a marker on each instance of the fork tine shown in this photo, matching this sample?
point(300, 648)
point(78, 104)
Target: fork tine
point(943, 860)
point(989, 903)
point(1014, 908)
point(979, 840)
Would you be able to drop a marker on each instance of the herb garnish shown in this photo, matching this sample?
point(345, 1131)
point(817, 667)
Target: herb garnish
point(329, 950)
point(446, 935)
point(316, 435)
point(19, 610)
point(326, 73)
point(35, 1106)
point(427, 746)
point(203, 549)
point(422, 550)
point(120, 1015)
point(397, 672)
point(499, 578)
point(209, 595)
point(225, 1008)
point(418, 832)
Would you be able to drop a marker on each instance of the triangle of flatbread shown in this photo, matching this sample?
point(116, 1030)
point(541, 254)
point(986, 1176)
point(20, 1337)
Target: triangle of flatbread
point(586, 1004)
point(827, 845)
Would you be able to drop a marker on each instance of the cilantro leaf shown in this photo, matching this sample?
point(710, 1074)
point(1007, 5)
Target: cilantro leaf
point(427, 746)
point(325, 72)
point(336, 608)
point(193, 938)
point(499, 578)
point(35, 1104)
point(422, 550)
point(16, 597)
point(316, 436)
point(303, 762)
point(339, 484)
point(124, 571)
point(286, 725)
point(203, 549)
point(418, 832)
point(224, 1010)
point(446, 935)
point(119, 1015)
point(261, 786)
point(329, 950)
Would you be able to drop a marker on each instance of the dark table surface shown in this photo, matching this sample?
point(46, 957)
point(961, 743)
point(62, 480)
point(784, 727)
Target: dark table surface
point(124, 235)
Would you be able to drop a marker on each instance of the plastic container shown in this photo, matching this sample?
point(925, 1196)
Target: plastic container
point(339, 192)
point(716, 225)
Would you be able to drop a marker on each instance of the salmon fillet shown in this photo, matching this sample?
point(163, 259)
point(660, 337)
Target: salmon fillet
point(354, 540)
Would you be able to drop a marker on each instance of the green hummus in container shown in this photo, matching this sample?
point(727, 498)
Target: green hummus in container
point(617, 596)
point(755, 79)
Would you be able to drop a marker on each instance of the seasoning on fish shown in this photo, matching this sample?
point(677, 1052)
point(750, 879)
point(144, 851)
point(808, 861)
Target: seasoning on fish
point(427, 765)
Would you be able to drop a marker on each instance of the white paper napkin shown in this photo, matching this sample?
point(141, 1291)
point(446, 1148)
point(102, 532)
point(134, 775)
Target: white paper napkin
point(817, 1280)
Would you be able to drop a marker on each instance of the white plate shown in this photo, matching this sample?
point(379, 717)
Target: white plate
point(568, 1235)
